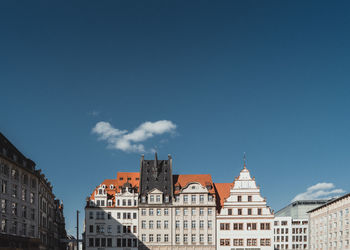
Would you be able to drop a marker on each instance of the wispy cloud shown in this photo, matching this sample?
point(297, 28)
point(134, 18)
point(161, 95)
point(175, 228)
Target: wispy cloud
point(131, 141)
point(322, 190)
point(94, 113)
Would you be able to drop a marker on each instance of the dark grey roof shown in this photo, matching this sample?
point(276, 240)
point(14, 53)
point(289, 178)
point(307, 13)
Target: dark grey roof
point(330, 202)
point(156, 174)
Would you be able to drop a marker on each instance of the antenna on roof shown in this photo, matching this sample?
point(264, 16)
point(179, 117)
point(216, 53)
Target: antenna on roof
point(244, 161)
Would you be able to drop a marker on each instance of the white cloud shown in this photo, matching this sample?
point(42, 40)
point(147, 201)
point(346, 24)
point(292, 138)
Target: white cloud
point(322, 190)
point(130, 141)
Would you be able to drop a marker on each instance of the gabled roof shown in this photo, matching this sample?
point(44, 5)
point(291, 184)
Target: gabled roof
point(183, 180)
point(223, 192)
point(122, 178)
point(128, 177)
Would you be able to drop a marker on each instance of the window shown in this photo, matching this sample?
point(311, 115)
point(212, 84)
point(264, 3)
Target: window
point(210, 224)
point(143, 224)
point(177, 224)
point(91, 228)
point(134, 215)
point(143, 211)
point(151, 198)
point(259, 211)
point(177, 238)
point(210, 197)
point(14, 208)
point(229, 211)
point(3, 186)
point(201, 198)
point(251, 226)
point(14, 190)
point(143, 237)
point(210, 238)
point(239, 198)
point(158, 198)
point(224, 226)
point(193, 238)
point(166, 224)
point(24, 211)
point(185, 224)
point(150, 212)
point(239, 211)
point(109, 216)
point(193, 198)
point(166, 211)
point(185, 198)
point(159, 212)
point(97, 242)
point(3, 225)
point(109, 229)
point(109, 242)
point(158, 237)
point(201, 211)
point(185, 238)
point(3, 206)
point(237, 226)
point(201, 224)
point(185, 211)
point(210, 211)
point(193, 211)
point(201, 238)
point(177, 211)
point(249, 198)
point(158, 224)
point(238, 242)
point(249, 211)
point(91, 242)
point(150, 224)
point(150, 238)
point(193, 224)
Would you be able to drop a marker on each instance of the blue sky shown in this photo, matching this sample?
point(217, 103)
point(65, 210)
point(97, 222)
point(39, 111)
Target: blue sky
point(269, 78)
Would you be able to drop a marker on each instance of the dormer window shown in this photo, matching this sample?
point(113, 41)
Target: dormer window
point(166, 198)
point(100, 191)
point(129, 179)
point(121, 178)
point(143, 199)
point(151, 198)
point(158, 198)
point(109, 203)
point(111, 186)
point(103, 186)
point(193, 187)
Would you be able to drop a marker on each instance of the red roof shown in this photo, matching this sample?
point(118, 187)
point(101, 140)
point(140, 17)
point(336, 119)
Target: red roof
point(183, 180)
point(122, 178)
point(223, 192)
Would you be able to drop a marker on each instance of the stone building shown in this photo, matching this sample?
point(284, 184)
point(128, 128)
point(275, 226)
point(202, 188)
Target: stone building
point(244, 221)
point(155, 203)
point(111, 214)
point(329, 225)
point(22, 214)
point(194, 212)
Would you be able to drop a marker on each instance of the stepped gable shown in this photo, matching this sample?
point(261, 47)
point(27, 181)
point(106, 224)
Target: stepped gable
point(156, 174)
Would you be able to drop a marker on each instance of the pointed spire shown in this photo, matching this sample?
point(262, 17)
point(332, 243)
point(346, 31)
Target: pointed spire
point(155, 156)
point(244, 161)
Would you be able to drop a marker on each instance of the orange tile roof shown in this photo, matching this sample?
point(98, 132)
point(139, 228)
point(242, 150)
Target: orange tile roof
point(131, 177)
point(134, 181)
point(223, 192)
point(183, 180)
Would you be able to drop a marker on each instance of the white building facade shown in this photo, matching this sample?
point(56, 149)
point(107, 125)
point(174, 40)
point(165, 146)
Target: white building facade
point(244, 221)
point(194, 212)
point(111, 215)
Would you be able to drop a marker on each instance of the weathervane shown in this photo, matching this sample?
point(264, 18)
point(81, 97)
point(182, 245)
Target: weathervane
point(244, 160)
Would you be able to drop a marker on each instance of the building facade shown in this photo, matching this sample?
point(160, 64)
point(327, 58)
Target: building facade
point(291, 225)
point(194, 212)
point(329, 225)
point(244, 221)
point(155, 204)
point(22, 208)
point(111, 214)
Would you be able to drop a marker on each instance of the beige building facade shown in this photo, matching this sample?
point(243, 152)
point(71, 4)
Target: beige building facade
point(329, 225)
